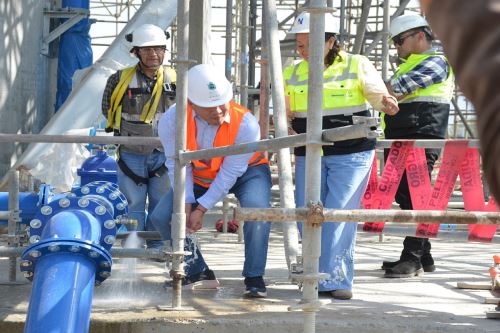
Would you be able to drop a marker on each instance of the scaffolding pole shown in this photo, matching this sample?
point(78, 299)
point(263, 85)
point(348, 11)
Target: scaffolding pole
point(385, 44)
point(229, 39)
point(342, 33)
point(244, 28)
point(361, 27)
point(287, 198)
point(381, 34)
point(327, 136)
point(14, 219)
point(311, 235)
point(179, 214)
point(370, 215)
point(264, 78)
point(252, 33)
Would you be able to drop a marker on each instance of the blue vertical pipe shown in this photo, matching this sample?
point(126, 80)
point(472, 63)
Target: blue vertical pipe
point(63, 284)
point(75, 52)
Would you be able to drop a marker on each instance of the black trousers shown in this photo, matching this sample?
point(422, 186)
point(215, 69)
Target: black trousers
point(414, 247)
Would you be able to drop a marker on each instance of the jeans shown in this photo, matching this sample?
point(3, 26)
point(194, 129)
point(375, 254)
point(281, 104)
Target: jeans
point(343, 182)
point(143, 196)
point(253, 190)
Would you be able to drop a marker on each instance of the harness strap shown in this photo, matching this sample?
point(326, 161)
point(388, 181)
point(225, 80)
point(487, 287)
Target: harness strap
point(158, 172)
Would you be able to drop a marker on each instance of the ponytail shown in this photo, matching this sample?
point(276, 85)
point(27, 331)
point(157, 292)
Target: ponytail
point(333, 53)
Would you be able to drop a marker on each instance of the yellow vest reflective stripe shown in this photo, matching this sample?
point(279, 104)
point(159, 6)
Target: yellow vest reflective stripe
point(115, 106)
point(437, 93)
point(149, 109)
point(342, 90)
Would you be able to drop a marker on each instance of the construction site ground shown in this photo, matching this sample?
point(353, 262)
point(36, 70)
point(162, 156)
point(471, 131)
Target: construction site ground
point(430, 303)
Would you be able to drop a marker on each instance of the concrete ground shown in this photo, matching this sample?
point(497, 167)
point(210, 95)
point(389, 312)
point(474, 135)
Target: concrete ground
point(128, 301)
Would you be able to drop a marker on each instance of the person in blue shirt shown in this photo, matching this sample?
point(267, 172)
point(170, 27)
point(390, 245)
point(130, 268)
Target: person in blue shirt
point(214, 120)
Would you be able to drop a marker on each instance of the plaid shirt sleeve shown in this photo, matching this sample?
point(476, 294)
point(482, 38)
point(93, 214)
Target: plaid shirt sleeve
point(430, 71)
point(108, 91)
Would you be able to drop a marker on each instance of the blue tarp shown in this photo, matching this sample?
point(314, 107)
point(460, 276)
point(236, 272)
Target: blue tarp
point(75, 52)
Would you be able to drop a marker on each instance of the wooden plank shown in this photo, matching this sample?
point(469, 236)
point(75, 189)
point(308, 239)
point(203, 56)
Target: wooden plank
point(492, 300)
point(474, 285)
point(493, 314)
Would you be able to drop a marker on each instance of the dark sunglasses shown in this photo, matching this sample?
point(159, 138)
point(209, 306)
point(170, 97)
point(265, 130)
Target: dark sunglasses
point(399, 40)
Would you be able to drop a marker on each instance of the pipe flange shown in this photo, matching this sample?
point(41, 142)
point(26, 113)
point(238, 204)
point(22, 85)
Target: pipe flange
point(99, 255)
point(108, 192)
point(93, 207)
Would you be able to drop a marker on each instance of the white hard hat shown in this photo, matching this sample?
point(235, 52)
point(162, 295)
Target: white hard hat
point(406, 22)
point(208, 87)
point(147, 35)
point(301, 24)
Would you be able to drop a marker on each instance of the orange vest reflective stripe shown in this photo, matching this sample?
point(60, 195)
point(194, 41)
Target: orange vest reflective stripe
point(204, 174)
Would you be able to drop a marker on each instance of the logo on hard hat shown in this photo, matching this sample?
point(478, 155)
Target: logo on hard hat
point(300, 20)
point(213, 94)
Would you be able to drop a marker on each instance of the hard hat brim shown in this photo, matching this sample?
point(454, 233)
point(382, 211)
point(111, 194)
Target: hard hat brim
point(228, 96)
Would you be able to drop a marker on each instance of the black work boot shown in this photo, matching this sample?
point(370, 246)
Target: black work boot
point(405, 269)
point(389, 264)
point(409, 264)
point(427, 260)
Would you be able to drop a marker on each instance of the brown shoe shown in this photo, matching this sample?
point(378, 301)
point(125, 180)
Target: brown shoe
point(343, 294)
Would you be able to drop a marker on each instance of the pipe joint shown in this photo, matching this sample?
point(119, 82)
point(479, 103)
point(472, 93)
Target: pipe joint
point(15, 215)
point(107, 194)
point(97, 229)
point(95, 253)
point(315, 215)
point(177, 274)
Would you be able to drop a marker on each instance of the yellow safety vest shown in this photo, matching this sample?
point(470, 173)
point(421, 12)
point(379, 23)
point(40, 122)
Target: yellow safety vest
point(342, 90)
point(437, 93)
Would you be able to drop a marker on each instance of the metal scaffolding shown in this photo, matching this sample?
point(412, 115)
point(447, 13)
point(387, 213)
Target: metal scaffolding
point(364, 29)
point(254, 49)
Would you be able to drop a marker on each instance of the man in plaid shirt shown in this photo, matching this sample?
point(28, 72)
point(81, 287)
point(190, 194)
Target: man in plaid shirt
point(423, 85)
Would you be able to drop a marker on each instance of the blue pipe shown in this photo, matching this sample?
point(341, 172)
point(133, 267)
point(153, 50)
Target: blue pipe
point(62, 298)
point(70, 237)
point(29, 202)
point(98, 169)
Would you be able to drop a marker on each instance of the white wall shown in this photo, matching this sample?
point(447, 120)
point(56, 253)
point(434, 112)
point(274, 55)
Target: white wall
point(25, 90)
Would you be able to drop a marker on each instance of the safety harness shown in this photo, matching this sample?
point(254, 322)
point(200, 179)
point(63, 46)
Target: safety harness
point(158, 172)
point(115, 105)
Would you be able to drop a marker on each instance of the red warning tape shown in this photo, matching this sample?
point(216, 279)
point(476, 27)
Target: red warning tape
point(457, 160)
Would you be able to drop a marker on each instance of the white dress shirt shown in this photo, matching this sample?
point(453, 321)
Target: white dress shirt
point(232, 167)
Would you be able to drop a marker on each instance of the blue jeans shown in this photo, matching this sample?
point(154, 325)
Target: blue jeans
point(138, 195)
point(253, 190)
point(343, 182)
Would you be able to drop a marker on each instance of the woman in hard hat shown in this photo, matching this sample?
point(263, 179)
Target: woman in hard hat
point(351, 83)
point(133, 101)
